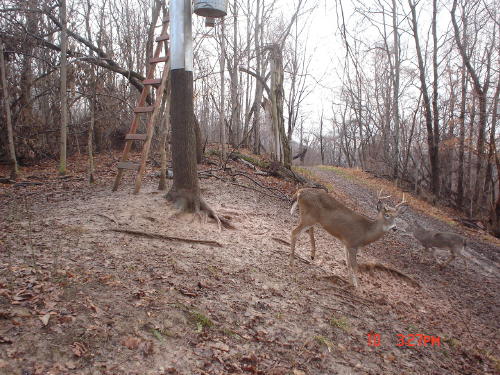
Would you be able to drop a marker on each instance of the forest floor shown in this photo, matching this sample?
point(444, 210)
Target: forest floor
point(79, 298)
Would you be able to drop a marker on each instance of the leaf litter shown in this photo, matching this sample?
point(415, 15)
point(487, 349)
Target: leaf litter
point(76, 298)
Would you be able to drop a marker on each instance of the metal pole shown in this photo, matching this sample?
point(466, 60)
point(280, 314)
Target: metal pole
point(181, 38)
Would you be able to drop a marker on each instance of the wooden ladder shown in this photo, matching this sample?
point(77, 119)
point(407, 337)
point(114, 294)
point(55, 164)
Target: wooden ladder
point(142, 109)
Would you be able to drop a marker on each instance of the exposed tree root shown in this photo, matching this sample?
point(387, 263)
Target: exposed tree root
point(164, 237)
point(378, 266)
point(212, 214)
point(186, 201)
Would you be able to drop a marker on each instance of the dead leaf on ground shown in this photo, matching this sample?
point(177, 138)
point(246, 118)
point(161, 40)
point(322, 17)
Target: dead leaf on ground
point(4, 340)
point(131, 342)
point(280, 371)
point(146, 348)
point(93, 307)
point(45, 319)
point(78, 349)
point(219, 346)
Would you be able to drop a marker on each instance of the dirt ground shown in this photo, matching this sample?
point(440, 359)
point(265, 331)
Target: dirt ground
point(79, 298)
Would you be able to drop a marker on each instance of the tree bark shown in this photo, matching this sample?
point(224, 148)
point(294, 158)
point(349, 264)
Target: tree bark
point(8, 118)
point(90, 143)
point(283, 152)
point(461, 146)
point(235, 97)
point(185, 191)
point(165, 129)
point(63, 90)
point(321, 146)
point(435, 109)
point(258, 84)
point(222, 62)
point(395, 94)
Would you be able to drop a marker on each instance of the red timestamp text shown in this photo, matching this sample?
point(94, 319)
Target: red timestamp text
point(417, 339)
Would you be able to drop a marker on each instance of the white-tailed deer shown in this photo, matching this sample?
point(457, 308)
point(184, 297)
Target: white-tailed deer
point(354, 230)
point(441, 240)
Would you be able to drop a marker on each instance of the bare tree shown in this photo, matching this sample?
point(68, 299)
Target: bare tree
point(481, 91)
point(8, 119)
point(63, 89)
point(222, 63)
point(432, 132)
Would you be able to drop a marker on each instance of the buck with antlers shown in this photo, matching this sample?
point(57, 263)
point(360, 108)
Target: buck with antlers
point(354, 230)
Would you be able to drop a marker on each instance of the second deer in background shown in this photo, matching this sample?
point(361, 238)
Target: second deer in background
point(354, 230)
point(441, 240)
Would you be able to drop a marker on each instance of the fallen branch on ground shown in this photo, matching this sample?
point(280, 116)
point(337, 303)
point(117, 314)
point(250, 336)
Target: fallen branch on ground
point(283, 196)
point(258, 191)
point(283, 242)
point(164, 237)
point(107, 217)
point(27, 183)
point(381, 267)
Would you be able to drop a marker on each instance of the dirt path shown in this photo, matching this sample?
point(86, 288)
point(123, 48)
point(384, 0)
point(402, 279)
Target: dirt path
point(76, 298)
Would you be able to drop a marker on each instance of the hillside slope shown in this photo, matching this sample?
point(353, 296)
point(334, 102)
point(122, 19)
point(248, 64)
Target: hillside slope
point(77, 298)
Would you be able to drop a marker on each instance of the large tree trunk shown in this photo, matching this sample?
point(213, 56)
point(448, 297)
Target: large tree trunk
point(258, 85)
point(8, 118)
point(491, 152)
point(164, 145)
point(395, 94)
point(461, 147)
point(185, 192)
point(283, 152)
point(495, 212)
point(235, 97)
point(90, 138)
point(63, 91)
point(222, 63)
point(321, 145)
point(435, 109)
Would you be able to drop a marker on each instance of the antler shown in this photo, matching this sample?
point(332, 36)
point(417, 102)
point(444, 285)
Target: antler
point(403, 201)
point(380, 197)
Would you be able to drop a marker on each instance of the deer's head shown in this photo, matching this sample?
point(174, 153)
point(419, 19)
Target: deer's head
point(387, 214)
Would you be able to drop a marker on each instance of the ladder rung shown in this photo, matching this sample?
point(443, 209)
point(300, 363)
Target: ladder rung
point(128, 165)
point(161, 38)
point(144, 109)
point(154, 81)
point(158, 59)
point(135, 137)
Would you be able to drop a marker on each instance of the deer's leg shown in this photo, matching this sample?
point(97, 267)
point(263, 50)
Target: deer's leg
point(452, 256)
point(426, 251)
point(352, 264)
point(313, 243)
point(460, 251)
point(295, 232)
point(432, 250)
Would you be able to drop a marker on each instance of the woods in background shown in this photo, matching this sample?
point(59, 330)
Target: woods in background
point(415, 99)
